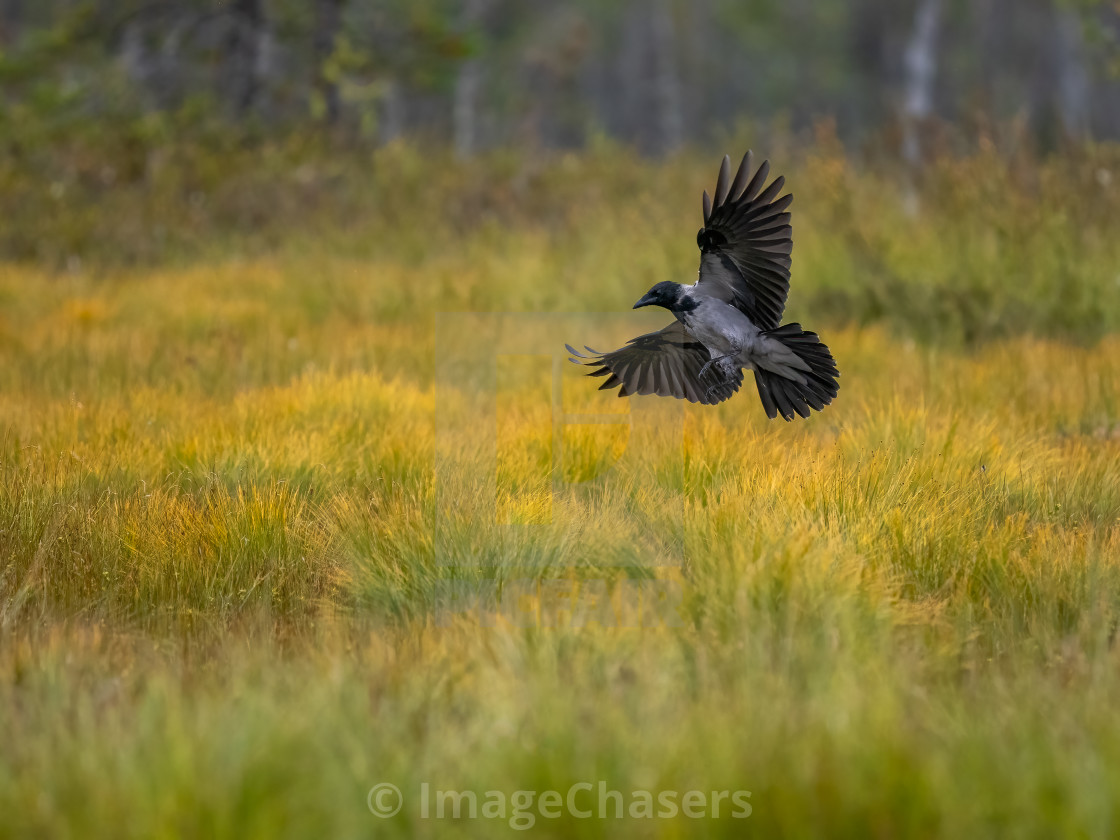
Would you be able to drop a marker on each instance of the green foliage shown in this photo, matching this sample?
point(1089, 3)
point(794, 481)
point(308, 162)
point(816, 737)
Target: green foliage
point(981, 246)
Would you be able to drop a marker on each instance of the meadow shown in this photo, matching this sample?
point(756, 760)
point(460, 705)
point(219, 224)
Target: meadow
point(254, 560)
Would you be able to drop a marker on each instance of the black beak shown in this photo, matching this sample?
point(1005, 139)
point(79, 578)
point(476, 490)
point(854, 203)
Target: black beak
point(646, 301)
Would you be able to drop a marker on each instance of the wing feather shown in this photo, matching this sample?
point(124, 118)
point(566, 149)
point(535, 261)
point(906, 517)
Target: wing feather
point(666, 363)
point(746, 243)
point(723, 182)
point(741, 176)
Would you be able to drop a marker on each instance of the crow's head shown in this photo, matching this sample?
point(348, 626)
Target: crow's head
point(667, 294)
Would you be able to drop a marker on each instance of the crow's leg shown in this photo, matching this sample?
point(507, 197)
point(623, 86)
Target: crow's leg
point(708, 364)
point(725, 366)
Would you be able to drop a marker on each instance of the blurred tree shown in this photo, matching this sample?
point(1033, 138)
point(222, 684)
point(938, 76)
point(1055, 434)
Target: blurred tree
point(245, 57)
point(328, 22)
point(666, 82)
point(1073, 77)
point(11, 18)
point(921, 69)
point(654, 73)
point(468, 81)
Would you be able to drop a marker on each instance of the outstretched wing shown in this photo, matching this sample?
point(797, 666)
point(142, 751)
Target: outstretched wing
point(666, 363)
point(745, 243)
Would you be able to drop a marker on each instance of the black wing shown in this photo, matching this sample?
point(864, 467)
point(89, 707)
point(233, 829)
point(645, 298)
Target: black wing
point(746, 242)
point(666, 363)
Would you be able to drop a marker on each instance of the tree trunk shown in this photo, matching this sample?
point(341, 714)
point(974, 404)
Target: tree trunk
point(468, 82)
point(11, 20)
point(392, 123)
point(666, 81)
point(244, 53)
point(133, 56)
point(920, 64)
point(328, 19)
point(1073, 77)
point(466, 108)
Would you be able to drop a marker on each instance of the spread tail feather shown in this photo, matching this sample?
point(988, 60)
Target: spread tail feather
point(788, 397)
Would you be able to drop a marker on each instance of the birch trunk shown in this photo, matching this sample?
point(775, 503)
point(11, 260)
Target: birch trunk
point(666, 79)
point(1073, 77)
point(464, 114)
point(920, 64)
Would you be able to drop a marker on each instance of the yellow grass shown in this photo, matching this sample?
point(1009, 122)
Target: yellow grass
point(254, 559)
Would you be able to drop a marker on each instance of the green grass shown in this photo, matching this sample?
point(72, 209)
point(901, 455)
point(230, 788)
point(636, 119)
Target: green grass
point(252, 535)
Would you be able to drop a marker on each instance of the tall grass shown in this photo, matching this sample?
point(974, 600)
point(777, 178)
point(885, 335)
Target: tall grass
point(240, 585)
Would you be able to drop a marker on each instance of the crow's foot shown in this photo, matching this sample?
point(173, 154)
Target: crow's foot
point(711, 362)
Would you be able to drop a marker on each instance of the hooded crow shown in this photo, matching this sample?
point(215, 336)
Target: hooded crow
point(730, 318)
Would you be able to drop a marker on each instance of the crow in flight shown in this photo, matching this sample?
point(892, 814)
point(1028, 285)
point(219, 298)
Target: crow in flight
point(730, 319)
